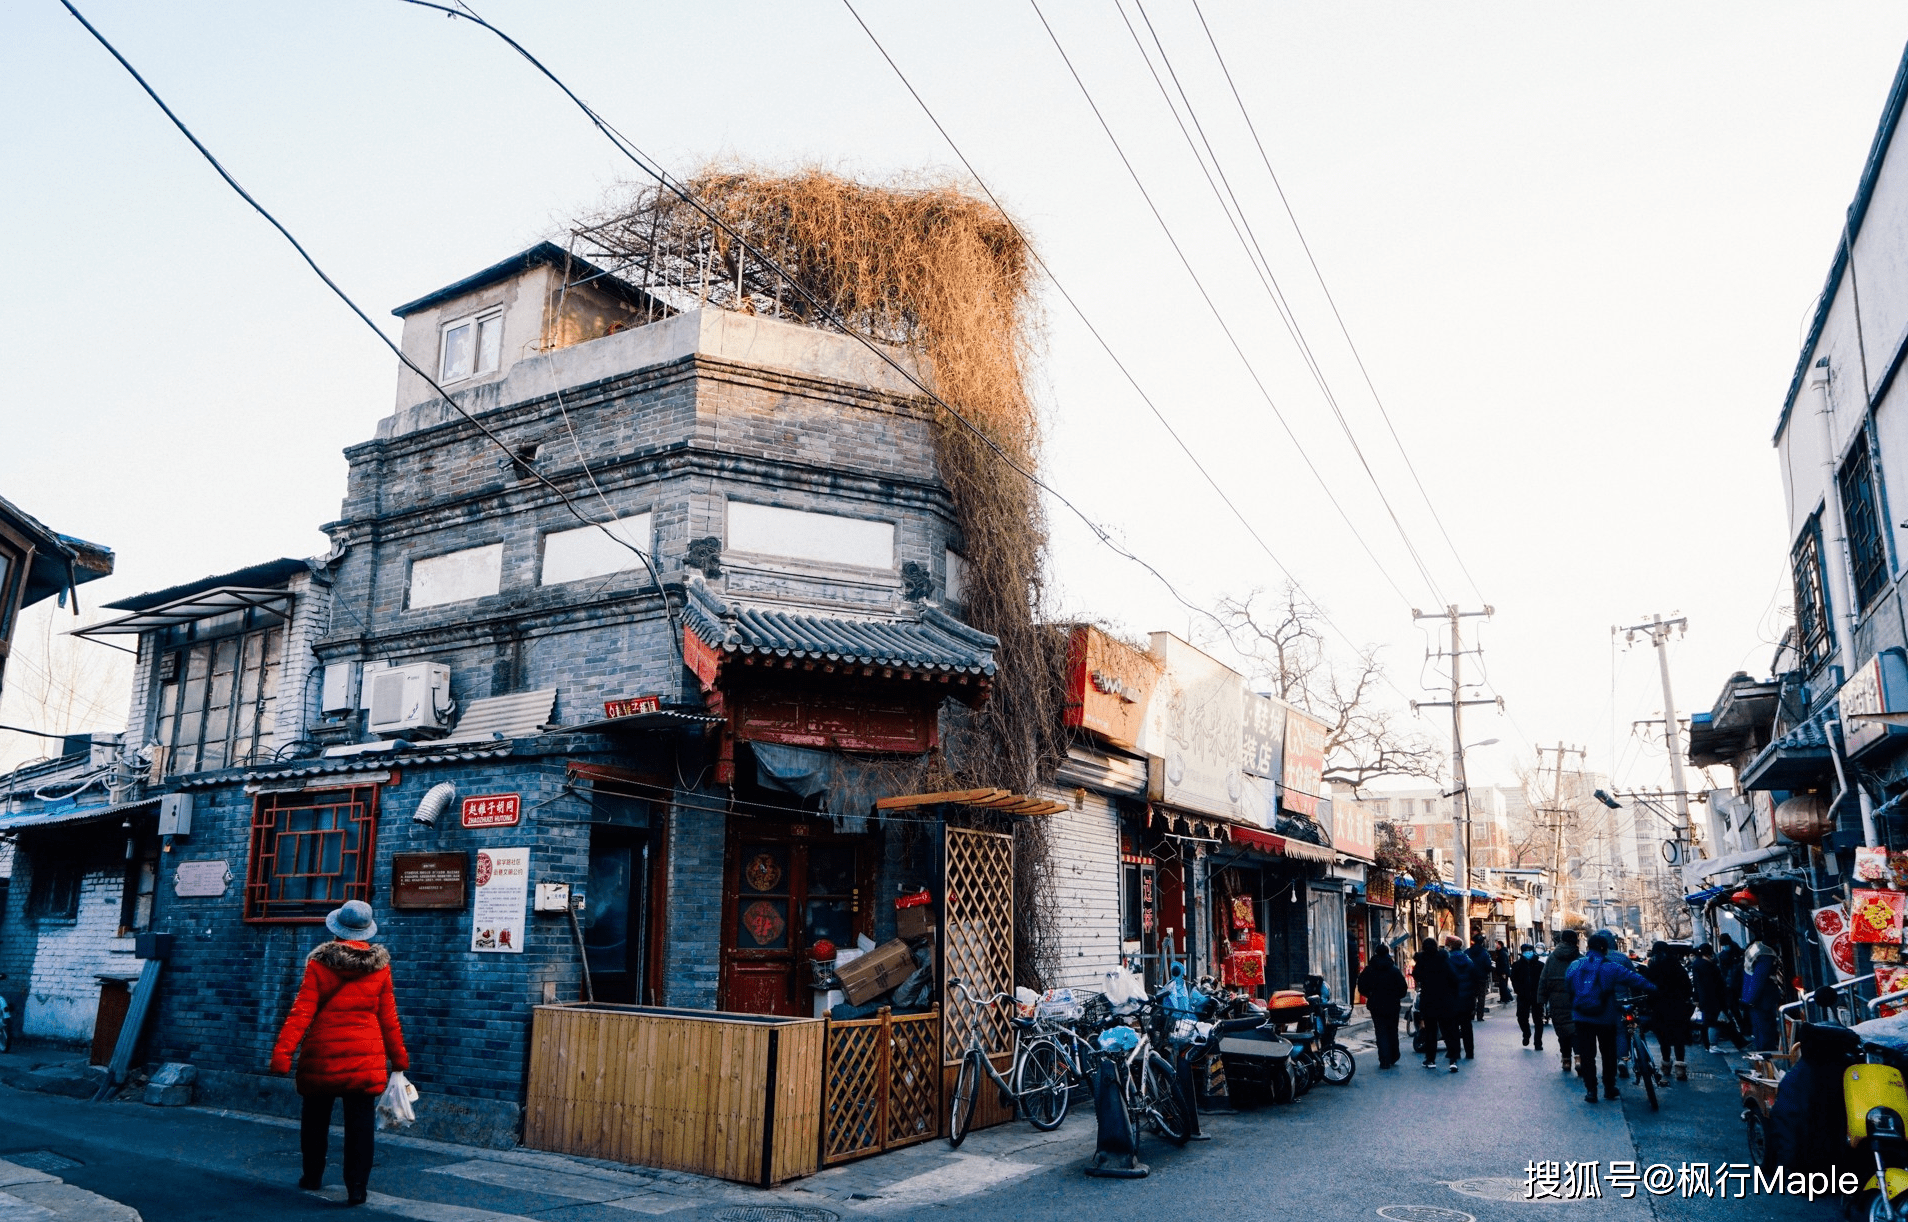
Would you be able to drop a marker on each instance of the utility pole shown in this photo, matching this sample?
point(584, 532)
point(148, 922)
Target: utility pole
point(1461, 808)
point(1658, 630)
point(1557, 813)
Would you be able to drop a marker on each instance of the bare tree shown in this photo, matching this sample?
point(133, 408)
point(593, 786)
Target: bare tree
point(59, 684)
point(1283, 645)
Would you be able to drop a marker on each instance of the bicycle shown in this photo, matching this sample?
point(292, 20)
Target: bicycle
point(1048, 1067)
point(1642, 1066)
point(1148, 1083)
point(1040, 1086)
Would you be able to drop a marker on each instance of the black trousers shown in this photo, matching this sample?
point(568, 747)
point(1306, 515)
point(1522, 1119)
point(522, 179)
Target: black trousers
point(1566, 1034)
point(1592, 1037)
point(1445, 1028)
point(1530, 1018)
point(1477, 1003)
point(1503, 988)
point(1672, 1036)
point(1384, 1033)
point(1463, 1023)
point(360, 1130)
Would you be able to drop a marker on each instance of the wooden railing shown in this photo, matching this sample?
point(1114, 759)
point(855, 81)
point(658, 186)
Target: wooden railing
point(881, 1084)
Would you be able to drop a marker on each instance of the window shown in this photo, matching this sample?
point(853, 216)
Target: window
point(1867, 550)
point(799, 535)
point(215, 696)
point(310, 853)
point(1811, 600)
point(56, 889)
point(475, 572)
point(575, 555)
point(471, 346)
point(956, 584)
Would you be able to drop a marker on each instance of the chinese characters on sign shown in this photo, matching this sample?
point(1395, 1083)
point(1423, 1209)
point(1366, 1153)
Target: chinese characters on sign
point(1304, 764)
point(200, 879)
point(493, 810)
point(1264, 737)
point(428, 880)
point(632, 706)
point(1561, 1181)
point(503, 891)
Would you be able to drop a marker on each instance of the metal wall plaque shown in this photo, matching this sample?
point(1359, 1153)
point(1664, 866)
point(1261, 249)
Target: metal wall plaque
point(428, 880)
point(200, 879)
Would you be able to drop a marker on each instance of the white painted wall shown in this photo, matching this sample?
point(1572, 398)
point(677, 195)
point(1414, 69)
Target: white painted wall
point(797, 534)
point(473, 572)
point(63, 995)
point(585, 551)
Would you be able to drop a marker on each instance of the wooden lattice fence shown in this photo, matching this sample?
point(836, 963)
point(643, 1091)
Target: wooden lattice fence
point(977, 942)
point(882, 1084)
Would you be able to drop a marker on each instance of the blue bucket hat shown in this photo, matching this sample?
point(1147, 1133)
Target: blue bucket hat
point(352, 922)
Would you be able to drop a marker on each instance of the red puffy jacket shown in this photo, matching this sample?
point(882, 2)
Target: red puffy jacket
point(347, 1017)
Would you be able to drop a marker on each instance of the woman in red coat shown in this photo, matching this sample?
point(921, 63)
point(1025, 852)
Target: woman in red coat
point(347, 1018)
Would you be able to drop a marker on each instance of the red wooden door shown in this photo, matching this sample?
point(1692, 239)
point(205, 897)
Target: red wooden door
point(786, 891)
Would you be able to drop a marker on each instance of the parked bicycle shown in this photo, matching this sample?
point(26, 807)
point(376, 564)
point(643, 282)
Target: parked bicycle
point(1642, 1066)
point(1049, 1058)
point(1149, 1085)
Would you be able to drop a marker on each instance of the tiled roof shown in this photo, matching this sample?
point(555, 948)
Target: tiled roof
point(932, 640)
point(369, 761)
point(1811, 733)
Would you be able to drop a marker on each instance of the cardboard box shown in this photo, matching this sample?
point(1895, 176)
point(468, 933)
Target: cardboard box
point(915, 922)
point(874, 973)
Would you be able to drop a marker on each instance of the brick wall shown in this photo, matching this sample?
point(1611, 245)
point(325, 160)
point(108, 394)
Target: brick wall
point(62, 994)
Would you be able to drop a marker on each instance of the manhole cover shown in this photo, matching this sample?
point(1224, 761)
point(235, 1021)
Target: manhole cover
point(42, 1160)
point(776, 1213)
point(1495, 1188)
point(1424, 1213)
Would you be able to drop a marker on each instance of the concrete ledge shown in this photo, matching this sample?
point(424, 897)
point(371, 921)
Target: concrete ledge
point(488, 1123)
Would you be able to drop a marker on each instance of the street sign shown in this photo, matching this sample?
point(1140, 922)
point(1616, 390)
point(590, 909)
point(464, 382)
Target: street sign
point(493, 810)
point(428, 880)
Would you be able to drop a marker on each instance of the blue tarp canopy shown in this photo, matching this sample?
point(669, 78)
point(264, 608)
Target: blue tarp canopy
point(1707, 894)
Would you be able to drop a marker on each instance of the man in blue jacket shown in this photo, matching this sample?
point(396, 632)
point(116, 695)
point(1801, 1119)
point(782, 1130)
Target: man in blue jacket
point(1471, 978)
point(1595, 1009)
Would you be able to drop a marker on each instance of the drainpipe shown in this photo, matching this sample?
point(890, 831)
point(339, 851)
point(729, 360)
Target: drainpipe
point(1869, 838)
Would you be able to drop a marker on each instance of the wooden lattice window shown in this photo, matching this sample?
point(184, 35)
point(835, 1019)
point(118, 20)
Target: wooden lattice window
point(311, 852)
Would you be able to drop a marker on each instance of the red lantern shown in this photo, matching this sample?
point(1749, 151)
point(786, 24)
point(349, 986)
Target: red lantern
point(1744, 898)
point(1805, 818)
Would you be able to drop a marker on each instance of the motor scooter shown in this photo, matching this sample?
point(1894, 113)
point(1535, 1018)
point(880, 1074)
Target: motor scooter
point(1316, 1052)
point(1254, 1057)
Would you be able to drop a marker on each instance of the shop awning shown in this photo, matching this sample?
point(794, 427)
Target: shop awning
point(1004, 800)
point(70, 815)
point(1735, 861)
point(1283, 846)
point(192, 608)
point(1699, 898)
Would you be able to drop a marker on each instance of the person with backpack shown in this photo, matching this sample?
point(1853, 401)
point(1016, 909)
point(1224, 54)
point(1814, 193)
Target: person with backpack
point(1526, 976)
point(1596, 1010)
point(1438, 1003)
point(1554, 991)
point(1729, 963)
point(1384, 988)
point(1472, 980)
point(345, 1016)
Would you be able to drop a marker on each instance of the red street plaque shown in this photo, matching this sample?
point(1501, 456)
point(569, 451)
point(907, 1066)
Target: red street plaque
point(632, 706)
point(493, 810)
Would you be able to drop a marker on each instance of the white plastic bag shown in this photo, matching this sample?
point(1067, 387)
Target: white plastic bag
point(394, 1105)
point(1122, 988)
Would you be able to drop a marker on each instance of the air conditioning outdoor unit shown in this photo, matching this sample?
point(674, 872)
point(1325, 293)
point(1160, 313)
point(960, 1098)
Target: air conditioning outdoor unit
point(415, 696)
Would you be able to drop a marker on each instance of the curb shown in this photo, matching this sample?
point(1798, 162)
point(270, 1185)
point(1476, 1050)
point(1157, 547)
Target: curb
point(34, 1196)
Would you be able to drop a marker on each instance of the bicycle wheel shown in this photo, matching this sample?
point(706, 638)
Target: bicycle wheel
point(1042, 1085)
point(1340, 1065)
point(1645, 1073)
point(1165, 1106)
point(966, 1093)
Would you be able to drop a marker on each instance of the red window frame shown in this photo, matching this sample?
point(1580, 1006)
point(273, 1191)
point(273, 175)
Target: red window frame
point(311, 851)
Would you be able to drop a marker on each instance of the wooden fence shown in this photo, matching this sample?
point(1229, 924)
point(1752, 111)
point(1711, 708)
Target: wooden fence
point(736, 1096)
point(883, 1084)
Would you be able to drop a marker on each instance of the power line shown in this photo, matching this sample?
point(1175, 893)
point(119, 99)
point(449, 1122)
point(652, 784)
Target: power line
point(1261, 265)
point(1343, 329)
point(1218, 315)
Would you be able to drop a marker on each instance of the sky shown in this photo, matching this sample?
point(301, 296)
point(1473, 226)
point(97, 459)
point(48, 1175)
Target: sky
point(1574, 247)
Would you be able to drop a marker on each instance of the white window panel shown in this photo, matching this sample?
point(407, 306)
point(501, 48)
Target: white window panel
point(489, 343)
point(475, 572)
point(585, 552)
point(457, 352)
point(800, 535)
point(471, 346)
point(956, 584)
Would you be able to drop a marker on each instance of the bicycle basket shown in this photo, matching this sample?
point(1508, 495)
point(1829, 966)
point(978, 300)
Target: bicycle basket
point(1060, 1005)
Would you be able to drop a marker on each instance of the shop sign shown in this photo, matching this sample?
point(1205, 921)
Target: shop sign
point(1109, 684)
point(1354, 830)
point(200, 879)
point(493, 810)
point(503, 890)
point(1192, 732)
point(1264, 737)
point(1838, 942)
point(428, 880)
point(1877, 916)
point(632, 706)
point(1304, 772)
point(1879, 685)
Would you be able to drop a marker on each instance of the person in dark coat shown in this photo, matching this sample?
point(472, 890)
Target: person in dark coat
point(1438, 1001)
point(1762, 994)
point(1669, 1016)
point(1594, 1007)
point(1471, 983)
point(1500, 972)
point(1554, 989)
point(1480, 956)
point(345, 1017)
point(1384, 988)
point(1712, 999)
point(1525, 975)
point(1729, 963)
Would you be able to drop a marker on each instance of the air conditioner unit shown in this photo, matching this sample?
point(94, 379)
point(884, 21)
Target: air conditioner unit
point(415, 696)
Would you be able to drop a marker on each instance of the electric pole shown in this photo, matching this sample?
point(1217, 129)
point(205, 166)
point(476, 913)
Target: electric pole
point(1658, 630)
point(1557, 813)
point(1461, 807)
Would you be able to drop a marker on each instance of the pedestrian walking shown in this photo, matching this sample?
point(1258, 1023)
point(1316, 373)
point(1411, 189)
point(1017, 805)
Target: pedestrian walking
point(1384, 988)
point(1438, 1002)
point(345, 1017)
point(1595, 1009)
point(1712, 999)
point(1554, 989)
point(1670, 1015)
point(1480, 957)
point(1472, 981)
point(1729, 963)
point(1526, 976)
point(1500, 971)
point(1762, 994)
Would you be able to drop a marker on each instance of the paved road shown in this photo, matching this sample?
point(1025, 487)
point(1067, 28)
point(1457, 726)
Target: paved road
point(1404, 1137)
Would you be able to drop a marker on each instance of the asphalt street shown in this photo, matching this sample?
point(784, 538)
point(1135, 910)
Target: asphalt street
point(1422, 1146)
